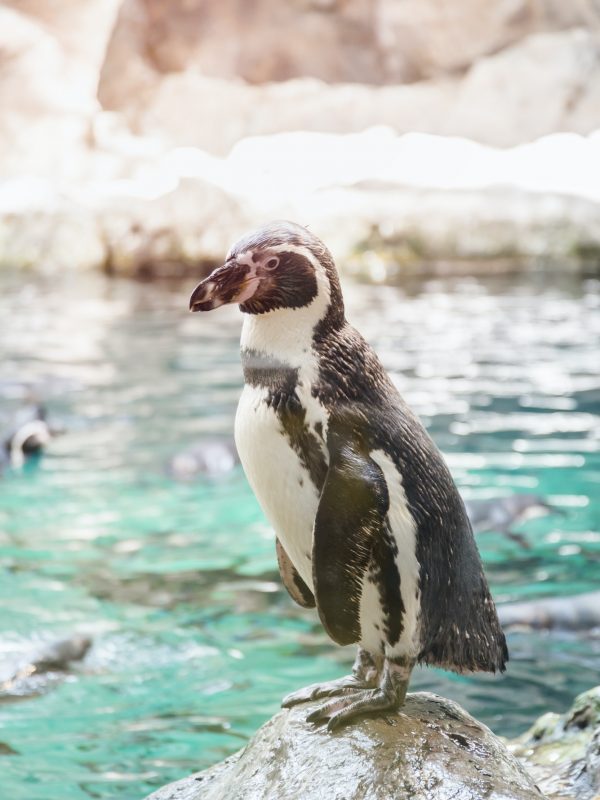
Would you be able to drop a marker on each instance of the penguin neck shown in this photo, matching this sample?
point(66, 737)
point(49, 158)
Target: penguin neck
point(285, 335)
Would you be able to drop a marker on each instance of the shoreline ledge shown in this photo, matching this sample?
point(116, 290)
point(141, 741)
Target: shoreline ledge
point(432, 748)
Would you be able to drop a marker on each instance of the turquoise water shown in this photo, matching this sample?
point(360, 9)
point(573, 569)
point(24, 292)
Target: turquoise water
point(195, 641)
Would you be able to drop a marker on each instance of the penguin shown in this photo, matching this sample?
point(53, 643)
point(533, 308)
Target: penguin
point(370, 528)
point(210, 458)
point(27, 437)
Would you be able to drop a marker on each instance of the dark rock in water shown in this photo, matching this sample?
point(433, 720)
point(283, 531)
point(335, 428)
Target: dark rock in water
point(562, 751)
point(574, 613)
point(27, 436)
point(501, 513)
point(59, 655)
point(210, 458)
point(7, 750)
point(37, 673)
point(432, 749)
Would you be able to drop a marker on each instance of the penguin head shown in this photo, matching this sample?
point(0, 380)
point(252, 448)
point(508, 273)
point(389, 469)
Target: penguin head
point(280, 266)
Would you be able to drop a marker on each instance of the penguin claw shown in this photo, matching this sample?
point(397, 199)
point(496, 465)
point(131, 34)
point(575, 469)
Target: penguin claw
point(339, 712)
point(326, 710)
point(341, 686)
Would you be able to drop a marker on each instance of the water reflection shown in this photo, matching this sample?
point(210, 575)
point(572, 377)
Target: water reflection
point(195, 642)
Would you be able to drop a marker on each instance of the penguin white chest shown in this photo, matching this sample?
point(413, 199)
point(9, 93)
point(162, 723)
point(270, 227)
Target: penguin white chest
point(277, 473)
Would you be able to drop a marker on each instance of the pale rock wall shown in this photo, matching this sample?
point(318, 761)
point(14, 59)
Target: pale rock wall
point(337, 41)
point(50, 56)
point(546, 83)
point(83, 185)
point(207, 74)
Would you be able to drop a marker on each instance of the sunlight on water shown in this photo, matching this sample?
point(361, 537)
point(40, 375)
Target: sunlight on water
point(195, 641)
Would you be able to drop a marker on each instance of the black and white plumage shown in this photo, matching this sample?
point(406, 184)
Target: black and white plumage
point(370, 526)
point(26, 437)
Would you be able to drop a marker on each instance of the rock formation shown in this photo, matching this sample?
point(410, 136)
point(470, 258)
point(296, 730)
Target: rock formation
point(337, 41)
point(562, 751)
point(208, 74)
point(431, 749)
point(95, 178)
point(387, 206)
point(50, 57)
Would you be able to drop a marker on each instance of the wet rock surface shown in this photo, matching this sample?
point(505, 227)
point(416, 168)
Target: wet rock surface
point(562, 751)
point(43, 668)
point(431, 749)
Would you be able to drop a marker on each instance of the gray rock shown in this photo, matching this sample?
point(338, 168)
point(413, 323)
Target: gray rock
point(43, 668)
point(562, 752)
point(574, 613)
point(61, 654)
point(432, 749)
point(500, 514)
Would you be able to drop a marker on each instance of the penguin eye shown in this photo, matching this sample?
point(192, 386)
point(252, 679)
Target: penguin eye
point(272, 263)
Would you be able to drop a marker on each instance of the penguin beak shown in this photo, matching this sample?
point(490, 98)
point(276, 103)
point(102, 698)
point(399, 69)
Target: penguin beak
point(231, 283)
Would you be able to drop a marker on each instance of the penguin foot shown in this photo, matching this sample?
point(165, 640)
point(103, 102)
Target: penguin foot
point(340, 711)
point(365, 675)
point(388, 696)
point(349, 684)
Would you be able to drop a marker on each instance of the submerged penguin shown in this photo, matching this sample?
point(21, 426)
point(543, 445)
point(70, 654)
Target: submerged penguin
point(27, 437)
point(210, 458)
point(370, 526)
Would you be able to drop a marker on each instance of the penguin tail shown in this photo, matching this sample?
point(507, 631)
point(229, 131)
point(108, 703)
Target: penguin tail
point(463, 659)
point(479, 648)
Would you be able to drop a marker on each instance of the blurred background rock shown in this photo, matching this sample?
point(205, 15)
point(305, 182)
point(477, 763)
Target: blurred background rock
point(124, 131)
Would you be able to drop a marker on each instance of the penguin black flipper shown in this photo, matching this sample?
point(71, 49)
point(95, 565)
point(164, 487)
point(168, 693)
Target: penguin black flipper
point(297, 589)
point(351, 514)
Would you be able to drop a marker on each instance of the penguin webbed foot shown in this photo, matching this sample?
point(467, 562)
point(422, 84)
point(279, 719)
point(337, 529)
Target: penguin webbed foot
point(365, 675)
point(349, 684)
point(388, 696)
point(372, 702)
